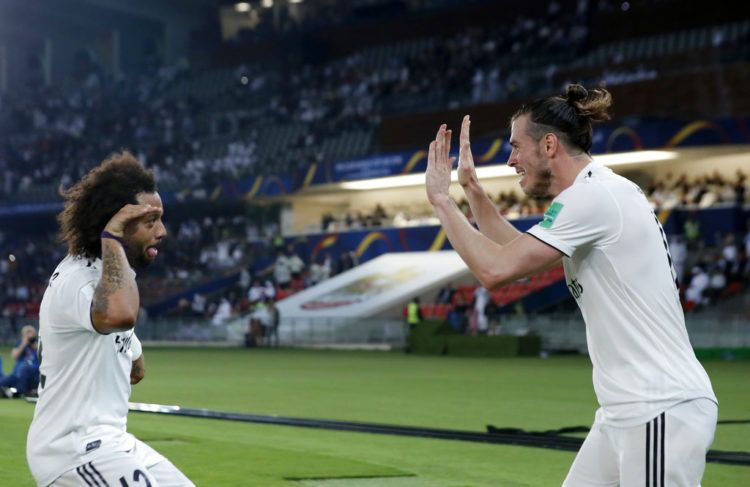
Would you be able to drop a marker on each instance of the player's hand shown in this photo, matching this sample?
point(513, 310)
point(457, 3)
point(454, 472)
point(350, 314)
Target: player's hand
point(127, 214)
point(466, 171)
point(138, 370)
point(439, 166)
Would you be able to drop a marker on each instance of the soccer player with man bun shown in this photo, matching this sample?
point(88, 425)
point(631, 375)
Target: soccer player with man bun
point(89, 353)
point(658, 411)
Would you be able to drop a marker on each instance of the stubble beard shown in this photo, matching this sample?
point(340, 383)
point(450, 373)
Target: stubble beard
point(541, 186)
point(136, 255)
point(542, 179)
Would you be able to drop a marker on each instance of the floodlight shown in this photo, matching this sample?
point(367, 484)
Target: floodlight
point(242, 7)
point(635, 157)
point(501, 171)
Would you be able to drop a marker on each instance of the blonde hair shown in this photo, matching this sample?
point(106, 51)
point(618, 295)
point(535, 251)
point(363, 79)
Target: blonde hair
point(26, 328)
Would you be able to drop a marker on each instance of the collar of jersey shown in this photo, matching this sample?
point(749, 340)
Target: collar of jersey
point(590, 168)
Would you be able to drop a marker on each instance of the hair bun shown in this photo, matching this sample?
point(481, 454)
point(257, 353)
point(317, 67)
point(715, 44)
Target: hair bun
point(576, 93)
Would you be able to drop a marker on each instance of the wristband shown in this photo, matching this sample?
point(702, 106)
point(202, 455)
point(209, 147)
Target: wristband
point(136, 348)
point(106, 234)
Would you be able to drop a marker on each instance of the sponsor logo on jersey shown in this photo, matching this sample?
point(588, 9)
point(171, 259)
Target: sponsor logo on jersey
point(551, 215)
point(93, 445)
point(122, 342)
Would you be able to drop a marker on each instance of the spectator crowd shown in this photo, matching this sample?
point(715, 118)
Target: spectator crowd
point(204, 249)
point(172, 117)
point(198, 127)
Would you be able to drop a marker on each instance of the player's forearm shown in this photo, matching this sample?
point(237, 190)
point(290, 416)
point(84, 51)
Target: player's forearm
point(489, 220)
point(137, 370)
point(116, 302)
point(476, 249)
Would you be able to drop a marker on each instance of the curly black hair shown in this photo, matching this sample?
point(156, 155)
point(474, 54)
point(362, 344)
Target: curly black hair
point(94, 200)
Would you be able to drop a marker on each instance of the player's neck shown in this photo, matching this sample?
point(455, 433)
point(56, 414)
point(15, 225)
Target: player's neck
point(566, 170)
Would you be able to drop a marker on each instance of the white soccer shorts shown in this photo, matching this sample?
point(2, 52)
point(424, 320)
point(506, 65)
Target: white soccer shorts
point(140, 467)
point(669, 450)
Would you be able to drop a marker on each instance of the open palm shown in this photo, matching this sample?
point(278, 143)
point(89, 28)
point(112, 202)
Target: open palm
point(466, 171)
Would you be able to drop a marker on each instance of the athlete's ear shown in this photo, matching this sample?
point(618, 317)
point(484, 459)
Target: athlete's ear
point(550, 143)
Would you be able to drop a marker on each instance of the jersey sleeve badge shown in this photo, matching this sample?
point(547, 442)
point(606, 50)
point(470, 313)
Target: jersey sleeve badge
point(551, 214)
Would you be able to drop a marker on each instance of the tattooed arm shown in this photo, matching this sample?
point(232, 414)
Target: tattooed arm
point(116, 302)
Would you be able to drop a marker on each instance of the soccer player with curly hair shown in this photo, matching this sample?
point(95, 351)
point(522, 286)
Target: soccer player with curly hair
point(89, 353)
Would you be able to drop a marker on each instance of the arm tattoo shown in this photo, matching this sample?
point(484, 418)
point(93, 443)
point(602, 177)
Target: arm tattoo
point(113, 278)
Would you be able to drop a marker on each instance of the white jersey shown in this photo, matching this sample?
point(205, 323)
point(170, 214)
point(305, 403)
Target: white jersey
point(618, 268)
point(84, 377)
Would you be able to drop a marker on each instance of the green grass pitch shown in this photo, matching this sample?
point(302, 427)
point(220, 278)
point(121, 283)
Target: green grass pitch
point(441, 392)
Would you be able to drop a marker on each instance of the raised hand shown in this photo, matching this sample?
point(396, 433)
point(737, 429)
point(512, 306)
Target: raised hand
point(466, 171)
point(439, 166)
point(128, 213)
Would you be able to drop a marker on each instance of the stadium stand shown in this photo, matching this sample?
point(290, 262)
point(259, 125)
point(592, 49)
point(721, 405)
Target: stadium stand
point(208, 121)
point(200, 124)
point(288, 138)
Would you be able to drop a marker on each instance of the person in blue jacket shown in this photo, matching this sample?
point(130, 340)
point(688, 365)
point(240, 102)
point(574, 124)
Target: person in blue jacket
point(25, 375)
